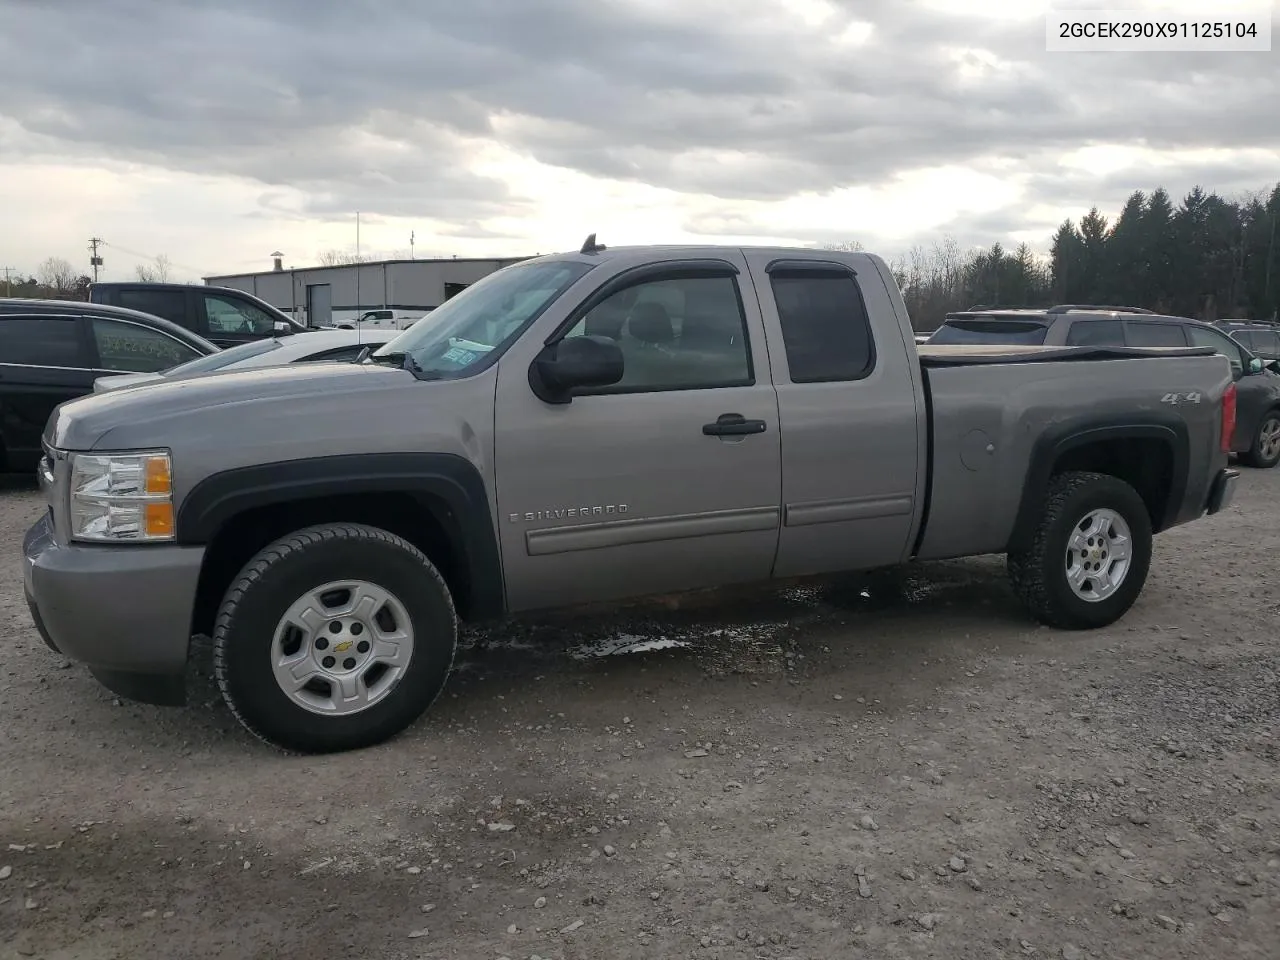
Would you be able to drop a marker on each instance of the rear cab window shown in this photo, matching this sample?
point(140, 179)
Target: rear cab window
point(1004, 332)
point(825, 328)
point(169, 304)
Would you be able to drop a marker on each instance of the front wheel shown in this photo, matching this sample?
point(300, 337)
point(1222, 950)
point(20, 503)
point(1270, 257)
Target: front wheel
point(1265, 450)
point(1089, 557)
point(333, 638)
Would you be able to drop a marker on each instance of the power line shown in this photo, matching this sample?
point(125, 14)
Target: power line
point(151, 257)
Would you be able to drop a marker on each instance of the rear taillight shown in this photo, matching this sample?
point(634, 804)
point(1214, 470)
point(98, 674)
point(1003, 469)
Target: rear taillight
point(1228, 417)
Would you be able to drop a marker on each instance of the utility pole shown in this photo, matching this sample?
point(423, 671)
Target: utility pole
point(95, 261)
point(8, 281)
point(411, 236)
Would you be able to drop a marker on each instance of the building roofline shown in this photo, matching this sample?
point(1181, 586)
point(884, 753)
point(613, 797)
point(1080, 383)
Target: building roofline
point(369, 263)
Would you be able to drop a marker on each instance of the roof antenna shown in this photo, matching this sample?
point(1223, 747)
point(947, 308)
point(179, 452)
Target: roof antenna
point(590, 246)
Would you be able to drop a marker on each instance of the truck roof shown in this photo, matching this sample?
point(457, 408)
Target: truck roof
point(592, 251)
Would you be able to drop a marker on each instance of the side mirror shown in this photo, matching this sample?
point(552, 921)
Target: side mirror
point(1255, 365)
point(572, 363)
point(280, 328)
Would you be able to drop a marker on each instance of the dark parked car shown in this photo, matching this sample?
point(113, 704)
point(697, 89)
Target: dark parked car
point(225, 316)
point(1257, 434)
point(323, 346)
point(1261, 339)
point(53, 350)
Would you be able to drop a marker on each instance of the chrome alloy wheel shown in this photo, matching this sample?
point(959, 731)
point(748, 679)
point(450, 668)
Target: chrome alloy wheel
point(1269, 439)
point(1098, 555)
point(342, 647)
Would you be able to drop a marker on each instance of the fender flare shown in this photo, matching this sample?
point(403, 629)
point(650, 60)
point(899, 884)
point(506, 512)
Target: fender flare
point(1059, 440)
point(450, 486)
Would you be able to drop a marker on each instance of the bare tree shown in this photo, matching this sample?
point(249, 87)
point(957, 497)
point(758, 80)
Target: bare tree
point(57, 275)
point(339, 258)
point(155, 272)
point(845, 246)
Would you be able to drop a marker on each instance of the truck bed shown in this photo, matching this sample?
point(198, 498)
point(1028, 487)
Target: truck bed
point(975, 354)
point(987, 411)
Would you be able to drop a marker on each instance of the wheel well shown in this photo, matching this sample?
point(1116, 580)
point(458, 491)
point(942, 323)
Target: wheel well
point(1145, 463)
point(417, 519)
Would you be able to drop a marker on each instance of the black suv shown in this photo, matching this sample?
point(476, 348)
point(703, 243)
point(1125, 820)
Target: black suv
point(1262, 339)
point(52, 351)
point(1257, 436)
point(225, 316)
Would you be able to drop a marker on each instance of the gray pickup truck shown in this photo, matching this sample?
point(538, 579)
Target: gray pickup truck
point(588, 427)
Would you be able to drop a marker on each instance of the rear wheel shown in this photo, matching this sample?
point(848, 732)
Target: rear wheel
point(1265, 450)
point(333, 638)
point(1088, 559)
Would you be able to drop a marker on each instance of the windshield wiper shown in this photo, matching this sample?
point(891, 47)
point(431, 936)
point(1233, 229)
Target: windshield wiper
point(387, 359)
point(405, 361)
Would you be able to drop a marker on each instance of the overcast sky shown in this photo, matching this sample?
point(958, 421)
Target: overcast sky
point(218, 131)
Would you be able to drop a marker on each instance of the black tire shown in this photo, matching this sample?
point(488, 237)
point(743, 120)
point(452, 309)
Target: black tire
point(286, 570)
point(1039, 574)
point(1254, 456)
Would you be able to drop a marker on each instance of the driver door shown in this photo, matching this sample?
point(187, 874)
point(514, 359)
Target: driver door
point(229, 322)
point(633, 489)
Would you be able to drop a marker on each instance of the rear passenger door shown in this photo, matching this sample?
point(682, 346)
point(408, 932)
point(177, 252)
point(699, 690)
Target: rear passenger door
point(847, 415)
point(44, 361)
point(123, 346)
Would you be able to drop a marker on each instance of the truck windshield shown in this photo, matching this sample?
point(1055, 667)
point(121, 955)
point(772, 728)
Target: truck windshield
point(484, 317)
point(989, 331)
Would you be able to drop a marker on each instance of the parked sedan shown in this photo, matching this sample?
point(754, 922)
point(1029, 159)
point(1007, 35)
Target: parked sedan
point(313, 346)
point(52, 350)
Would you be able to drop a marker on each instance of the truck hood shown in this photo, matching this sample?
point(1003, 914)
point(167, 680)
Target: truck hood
point(121, 380)
point(80, 424)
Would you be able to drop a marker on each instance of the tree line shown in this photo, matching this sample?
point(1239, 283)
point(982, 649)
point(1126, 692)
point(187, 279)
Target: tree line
point(57, 279)
point(1208, 257)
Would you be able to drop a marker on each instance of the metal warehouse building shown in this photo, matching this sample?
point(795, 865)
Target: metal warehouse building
point(324, 295)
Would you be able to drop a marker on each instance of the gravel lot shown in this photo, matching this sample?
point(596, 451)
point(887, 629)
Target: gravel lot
point(811, 773)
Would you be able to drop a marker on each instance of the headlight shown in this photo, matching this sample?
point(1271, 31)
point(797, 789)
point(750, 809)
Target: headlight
point(121, 497)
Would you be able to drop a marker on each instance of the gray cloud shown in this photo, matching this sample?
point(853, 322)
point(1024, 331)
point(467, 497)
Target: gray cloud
point(369, 104)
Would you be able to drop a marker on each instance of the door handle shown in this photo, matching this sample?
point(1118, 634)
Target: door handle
point(733, 425)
